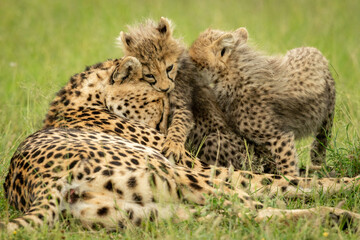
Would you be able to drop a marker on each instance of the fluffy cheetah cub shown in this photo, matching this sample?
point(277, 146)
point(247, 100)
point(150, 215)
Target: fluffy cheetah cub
point(161, 56)
point(194, 113)
point(271, 100)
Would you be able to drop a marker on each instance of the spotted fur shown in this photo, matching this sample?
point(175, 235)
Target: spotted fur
point(103, 87)
point(270, 100)
point(194, 113)
point(107, 171)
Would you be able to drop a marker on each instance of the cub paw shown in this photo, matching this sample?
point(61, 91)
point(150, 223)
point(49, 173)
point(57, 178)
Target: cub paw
point(174, 149)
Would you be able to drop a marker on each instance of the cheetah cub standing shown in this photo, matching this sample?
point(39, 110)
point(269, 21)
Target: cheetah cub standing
point(271, 100)
point(158, 53)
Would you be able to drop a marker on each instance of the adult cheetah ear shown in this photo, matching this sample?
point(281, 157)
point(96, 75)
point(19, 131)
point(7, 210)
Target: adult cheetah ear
point(164, 27)
point(241, 35)
point(129, 70)
point(125, 40)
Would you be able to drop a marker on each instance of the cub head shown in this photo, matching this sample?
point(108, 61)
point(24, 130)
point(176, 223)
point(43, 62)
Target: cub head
point(153, 44)
point(213, 48)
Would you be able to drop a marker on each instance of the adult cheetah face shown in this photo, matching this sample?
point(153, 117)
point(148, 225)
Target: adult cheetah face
point(213, 49)
point(157, 51)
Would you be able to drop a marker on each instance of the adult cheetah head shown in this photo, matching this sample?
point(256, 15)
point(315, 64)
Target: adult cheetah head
point(157, 51)
point(91, 87)
point(128, 71)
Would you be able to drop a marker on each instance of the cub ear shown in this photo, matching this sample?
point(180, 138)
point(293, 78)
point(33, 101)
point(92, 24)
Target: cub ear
point(129, 70)
point(164, 27)
point(226, 40)
point(241, 34)
point(224, 44)
point(125, 39)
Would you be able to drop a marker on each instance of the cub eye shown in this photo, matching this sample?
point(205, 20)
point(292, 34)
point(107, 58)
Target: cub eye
point(149, 76)
point(169, 68)
point(223, 52)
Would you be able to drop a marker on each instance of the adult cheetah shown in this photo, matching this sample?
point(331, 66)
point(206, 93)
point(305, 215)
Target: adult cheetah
point(195, 115)
point(93, 165)
point(125, 94)
point(271, 100)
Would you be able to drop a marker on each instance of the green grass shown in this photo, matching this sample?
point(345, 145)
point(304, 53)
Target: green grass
point(44, 42)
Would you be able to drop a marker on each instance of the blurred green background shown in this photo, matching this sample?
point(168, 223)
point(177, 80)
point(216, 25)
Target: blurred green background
point(43, 43)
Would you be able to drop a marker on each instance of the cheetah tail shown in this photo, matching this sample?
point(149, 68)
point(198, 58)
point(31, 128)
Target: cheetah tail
point(43, 210)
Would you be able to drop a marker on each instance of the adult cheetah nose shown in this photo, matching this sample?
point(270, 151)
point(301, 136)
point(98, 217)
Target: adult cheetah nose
point(72, 195)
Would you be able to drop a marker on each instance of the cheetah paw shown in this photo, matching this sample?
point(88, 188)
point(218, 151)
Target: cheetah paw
point(174, 149)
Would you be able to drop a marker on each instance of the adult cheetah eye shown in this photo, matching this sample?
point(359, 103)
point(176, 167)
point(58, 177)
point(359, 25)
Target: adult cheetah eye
point(149, 76)
point(223, 51)
point(169, 68)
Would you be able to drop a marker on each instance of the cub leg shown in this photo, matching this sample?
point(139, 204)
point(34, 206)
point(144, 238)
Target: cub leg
point(320, 143)
point(283, 149)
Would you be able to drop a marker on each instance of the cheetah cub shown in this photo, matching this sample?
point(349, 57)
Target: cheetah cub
point(161, 56)
point(194, 114)
point(271, 100)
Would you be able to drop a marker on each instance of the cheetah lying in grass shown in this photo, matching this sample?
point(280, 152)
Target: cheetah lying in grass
point(125, 94)
point(107, 170)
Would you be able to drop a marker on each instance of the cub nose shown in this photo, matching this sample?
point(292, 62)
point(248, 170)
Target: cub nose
point(164, 90)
